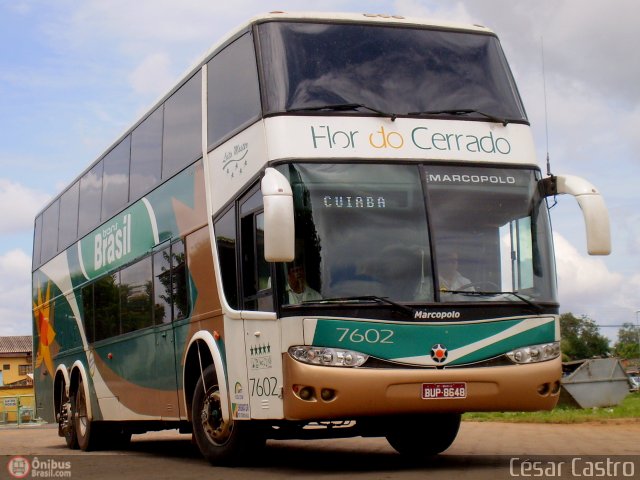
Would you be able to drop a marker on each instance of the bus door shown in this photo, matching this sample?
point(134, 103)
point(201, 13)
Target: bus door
point(170, 307)
point(262, 334)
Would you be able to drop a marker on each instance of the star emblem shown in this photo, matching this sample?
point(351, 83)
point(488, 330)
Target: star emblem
point(439, 353)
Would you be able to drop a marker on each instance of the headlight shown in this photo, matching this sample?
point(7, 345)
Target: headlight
point(535, 353)
point(331, 357)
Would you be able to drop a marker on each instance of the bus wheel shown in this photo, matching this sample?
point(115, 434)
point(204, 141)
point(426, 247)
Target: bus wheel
point(425, 435)
point(66, 426)
point(84, 428)
point(222, 443)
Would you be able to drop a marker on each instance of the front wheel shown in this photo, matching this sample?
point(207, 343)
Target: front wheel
point(425, 435)
point(221, 442)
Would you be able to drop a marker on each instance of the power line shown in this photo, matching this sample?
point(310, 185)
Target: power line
point(616, 326)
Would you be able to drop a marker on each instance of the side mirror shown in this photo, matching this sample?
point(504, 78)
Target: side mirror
point(594, 210)
point(279, 226)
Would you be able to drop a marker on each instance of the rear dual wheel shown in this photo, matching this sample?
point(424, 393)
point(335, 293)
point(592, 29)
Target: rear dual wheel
point(90, 435)
point(84, 427)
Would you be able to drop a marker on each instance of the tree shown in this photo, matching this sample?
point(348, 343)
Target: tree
point(628, 344)
point(581, 338)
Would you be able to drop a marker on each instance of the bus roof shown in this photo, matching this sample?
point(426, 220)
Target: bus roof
point(371, 18)
point(365, 18)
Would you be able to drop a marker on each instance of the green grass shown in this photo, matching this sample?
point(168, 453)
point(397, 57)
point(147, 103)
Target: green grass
point(628, 409)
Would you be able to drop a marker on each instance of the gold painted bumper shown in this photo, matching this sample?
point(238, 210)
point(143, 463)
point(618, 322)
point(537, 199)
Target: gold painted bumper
point(367, 392)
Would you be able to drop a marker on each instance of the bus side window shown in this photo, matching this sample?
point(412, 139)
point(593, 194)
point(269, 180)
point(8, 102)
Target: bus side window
point(225, 231)
point(179, 281)
point(162, 286)
point(135, 296)
point(233, 99)
point(50, 219)
point(90, 203)
point(182, 128)
point(256, 271)
point(171, 301)
point(87, 314)
point(106, 306)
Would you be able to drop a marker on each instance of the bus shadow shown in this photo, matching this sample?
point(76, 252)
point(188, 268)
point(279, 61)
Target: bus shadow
point(310, 458)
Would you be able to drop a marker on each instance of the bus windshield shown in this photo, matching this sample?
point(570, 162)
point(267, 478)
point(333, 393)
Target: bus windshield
point(418, 234)
point(398, 70)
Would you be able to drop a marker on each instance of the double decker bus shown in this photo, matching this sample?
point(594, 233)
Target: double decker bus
point(334, 225)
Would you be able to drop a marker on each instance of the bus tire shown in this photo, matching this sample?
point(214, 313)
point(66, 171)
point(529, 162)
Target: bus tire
point(86, 432)
point(425, 435)
point(69, 433)
point(221, 443)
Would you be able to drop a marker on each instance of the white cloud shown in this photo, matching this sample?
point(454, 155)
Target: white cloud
point(581, 277)
point(153, 75)
point(446, 11)
point(19, 206)
point(586, 286)
point(149, 25)
point(15, 293)
point(20, 7)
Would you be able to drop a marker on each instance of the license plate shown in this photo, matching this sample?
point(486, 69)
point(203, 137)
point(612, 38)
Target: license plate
point(444, 390)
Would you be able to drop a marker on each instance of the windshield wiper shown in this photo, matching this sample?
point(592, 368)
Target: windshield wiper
point(361, 298)
point(343, 107)
point(462, 111)
point(480, 293)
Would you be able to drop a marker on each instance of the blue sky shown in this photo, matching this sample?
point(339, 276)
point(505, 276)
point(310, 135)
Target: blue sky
point(75, 74)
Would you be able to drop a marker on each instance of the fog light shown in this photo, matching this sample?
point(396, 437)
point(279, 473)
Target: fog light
point(327, 394)
point(555, 388)
point(544, 389)
point(306, 393)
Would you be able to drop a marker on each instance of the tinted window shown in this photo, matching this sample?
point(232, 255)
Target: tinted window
point(115, 180)
point(162, 286)
point(225, 229)
point(90, 196)
point(182, 141)
point(233, 94)
point(256, 281)
point(37, 241)
point(135, 298)
point(88, 312)
point(170, 284)
point(106, 304)
point(360, 230)
point(69, 216)
point(392, 69)
point(179, 281)
point(50, 231)
point(146, 155)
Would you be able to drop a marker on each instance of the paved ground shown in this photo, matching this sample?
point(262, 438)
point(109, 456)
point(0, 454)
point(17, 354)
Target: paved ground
point(482, 450)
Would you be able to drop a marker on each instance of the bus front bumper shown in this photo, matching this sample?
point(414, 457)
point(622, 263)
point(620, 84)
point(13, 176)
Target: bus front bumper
point(344, 393)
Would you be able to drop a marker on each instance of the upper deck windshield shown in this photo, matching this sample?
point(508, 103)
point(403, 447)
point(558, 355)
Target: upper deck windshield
point(398, 70)
point(476, 234)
